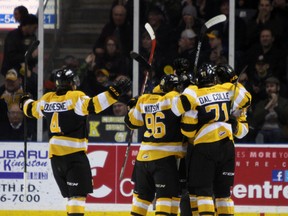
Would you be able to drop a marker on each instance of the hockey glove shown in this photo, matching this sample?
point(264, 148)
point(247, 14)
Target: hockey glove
point(119, 88)
point(181, 65)
point(132, 102)
point(23, 99)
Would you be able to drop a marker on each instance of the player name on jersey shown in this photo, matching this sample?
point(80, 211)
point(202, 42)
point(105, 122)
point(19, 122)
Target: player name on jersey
point(214, 97)
point(152, 108)
point(58, 106)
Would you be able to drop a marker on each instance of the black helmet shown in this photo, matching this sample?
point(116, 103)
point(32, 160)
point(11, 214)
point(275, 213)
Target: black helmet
point(65, 78)
point(186, 79)
point(169, 83)
point(206, 75)
point(226, 73)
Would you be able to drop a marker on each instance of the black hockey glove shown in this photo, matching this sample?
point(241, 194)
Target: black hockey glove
point(23, 99)
point(181, 65)
point(132, 102)
point(119, 88)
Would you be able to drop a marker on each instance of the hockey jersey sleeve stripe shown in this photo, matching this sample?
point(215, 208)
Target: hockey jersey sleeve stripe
point(28, 108)
point(102, 101)
point(79, 105)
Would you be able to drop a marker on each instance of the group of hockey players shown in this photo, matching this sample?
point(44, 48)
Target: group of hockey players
point(187, 147)
point(190, 121)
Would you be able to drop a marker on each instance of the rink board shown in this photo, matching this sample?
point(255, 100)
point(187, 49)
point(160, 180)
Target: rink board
point(261, 180)
point(61, 213)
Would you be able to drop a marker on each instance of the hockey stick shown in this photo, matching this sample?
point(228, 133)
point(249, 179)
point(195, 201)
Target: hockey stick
point(141, 60)
point(151, 33)
point(211, 22)
point(27, 56)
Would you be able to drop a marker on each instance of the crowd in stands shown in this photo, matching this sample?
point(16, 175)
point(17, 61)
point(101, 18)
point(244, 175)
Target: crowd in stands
point(261, 44)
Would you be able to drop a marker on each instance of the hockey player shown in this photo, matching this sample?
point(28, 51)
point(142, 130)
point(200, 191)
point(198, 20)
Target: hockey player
point(66, 111)
point(156, 163)
point(206, 113)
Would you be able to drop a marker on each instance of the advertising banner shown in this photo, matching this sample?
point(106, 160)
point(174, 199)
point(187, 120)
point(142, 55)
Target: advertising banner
point(7, 20)
point(261, 178)
point(40, 188)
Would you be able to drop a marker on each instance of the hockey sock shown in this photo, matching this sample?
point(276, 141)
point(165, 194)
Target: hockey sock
point(224, 206)
point(76, 206)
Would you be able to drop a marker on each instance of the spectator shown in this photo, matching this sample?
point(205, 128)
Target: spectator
point(16, 44)
point(13, 85)
point(113, 60)
point(240, 28)
point(171, 10)
point(205, 9)
point(274, 56)
point(12, 89)
point(217, 53)
point(13, 129)
point(72, 62)
point(119, 27)
point(156, 19)
point(187, 45)
point(120, 107)
point(96, 81)
point(271, 115)
point(261, 72)
point(280, 10)
point(157, 64)
point(265, 19)
point(245, 10)
point(19, 13)
point(189, 21)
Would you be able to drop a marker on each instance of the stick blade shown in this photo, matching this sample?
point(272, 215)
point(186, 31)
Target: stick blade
point(215, 20)
point(150, 31)
point(136, 56)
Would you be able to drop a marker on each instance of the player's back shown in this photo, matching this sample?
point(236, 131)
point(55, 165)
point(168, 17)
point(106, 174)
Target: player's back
point(162, 136)
point(63, 114)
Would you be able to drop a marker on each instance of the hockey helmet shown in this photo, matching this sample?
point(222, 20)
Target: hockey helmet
point(226, 73)
point(169, 82)
point(206, 75)
point(66, 78)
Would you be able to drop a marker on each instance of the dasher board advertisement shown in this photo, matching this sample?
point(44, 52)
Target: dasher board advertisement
point(7, 20)
point(261, 178)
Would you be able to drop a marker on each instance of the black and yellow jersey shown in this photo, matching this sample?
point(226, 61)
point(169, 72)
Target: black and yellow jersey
point(207, 118)
point(66, 118)
point(162, 136)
